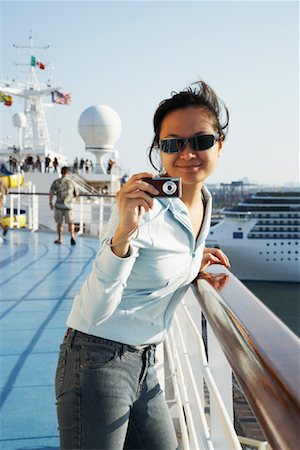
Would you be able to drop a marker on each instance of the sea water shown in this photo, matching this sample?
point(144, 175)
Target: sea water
point(283, 299)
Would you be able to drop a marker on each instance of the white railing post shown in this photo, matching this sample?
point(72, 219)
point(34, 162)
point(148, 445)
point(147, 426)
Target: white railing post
point(11, 218)
point(160, 369)
point(101, 213)
point(80, 231)
point(35, 210)
point(222, 375)
point(30, 207)
point(18, 202)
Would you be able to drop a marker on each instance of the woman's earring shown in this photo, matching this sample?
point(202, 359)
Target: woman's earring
point(162, 170)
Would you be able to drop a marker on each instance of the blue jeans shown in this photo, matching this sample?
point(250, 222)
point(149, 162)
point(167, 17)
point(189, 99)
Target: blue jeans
point(109, 398)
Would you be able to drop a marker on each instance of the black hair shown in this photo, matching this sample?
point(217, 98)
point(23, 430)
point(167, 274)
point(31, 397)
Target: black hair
point(198, 95)
point(65, 170)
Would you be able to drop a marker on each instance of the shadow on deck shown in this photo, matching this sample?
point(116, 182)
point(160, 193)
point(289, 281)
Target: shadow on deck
point(38, 281)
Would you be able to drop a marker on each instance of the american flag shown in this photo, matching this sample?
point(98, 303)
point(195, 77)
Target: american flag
point(60, 98)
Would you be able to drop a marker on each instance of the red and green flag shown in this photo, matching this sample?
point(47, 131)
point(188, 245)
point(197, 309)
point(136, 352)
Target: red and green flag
point(34, 63)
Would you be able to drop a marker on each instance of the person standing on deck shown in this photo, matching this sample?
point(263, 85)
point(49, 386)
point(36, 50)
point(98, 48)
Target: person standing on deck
point(65, 190)
point(152, 248)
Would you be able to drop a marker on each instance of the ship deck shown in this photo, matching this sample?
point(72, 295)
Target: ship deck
point(38, 281)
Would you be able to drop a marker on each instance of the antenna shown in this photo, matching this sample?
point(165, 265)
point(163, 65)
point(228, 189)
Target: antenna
point(31, 46)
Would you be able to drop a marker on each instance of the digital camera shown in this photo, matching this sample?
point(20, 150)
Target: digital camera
point(166, 186)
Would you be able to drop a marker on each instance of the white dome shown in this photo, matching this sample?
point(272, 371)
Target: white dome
point(100, 127)
point(19, 120)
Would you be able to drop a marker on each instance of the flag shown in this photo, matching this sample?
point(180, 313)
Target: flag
point(34, 62)
point(60, 98)
point(6, 99)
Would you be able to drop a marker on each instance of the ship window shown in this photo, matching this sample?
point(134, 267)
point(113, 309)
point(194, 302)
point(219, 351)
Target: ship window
point(281, 259)
point(237, 235)
point(260, 253)
point(282, 243)
point(268, 253)
point(267, 259)
point(296, 259)
point(289, 252)
point(296, 243)
point(289, 242)
point(274, 253)
point(274, 259)
point(239, 228)
point(275, 242)
point(296, 252)
point(268, 245)
point(289, 259)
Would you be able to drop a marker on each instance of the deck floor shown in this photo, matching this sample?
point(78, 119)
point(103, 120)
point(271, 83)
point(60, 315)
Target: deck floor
point(38, 280)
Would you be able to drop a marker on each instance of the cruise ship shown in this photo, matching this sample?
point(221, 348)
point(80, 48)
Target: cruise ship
point(261, 236)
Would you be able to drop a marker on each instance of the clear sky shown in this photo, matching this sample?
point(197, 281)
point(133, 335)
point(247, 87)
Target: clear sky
point(131, 55)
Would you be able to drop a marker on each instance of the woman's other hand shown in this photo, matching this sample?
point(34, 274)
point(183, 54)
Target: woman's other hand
point(214, 256)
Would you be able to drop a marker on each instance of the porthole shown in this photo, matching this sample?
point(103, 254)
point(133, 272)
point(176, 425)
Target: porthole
point(274, 253)
point(289, 259)
point(268, 253)
point(281, 259)
point(268, 245)
point(267, 259)
point(282, 243)
point(296, 259)
point(274, 259)
point(289, 252)
point(260, 253)
point(296, 252)
point(274, 242)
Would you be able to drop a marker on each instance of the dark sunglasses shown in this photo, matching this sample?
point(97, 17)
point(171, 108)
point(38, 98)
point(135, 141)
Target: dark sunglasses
point(198, 143)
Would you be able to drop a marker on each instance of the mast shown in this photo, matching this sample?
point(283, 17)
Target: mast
point(36, 140)
point(36, 135)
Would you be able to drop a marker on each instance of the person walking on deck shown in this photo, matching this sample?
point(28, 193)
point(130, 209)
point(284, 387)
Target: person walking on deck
point(65, 190)
point(107, 391)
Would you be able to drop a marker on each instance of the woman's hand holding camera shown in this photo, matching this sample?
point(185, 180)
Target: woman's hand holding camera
point(133, 200)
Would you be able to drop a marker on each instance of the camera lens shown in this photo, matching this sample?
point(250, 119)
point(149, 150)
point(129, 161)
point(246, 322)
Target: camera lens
point(169, 187)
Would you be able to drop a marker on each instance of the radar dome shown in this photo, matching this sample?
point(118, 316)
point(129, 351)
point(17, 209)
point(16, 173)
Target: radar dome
point(19, 120)
point(100, 127)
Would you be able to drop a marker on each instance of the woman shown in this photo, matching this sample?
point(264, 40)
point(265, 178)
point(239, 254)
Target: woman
point(108, 396)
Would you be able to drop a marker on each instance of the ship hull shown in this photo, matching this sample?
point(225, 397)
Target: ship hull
point(258, 261)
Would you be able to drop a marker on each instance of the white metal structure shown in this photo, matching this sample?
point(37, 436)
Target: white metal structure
point(35, 138)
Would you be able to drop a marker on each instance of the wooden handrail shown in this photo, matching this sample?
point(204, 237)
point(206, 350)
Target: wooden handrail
point(263, 353)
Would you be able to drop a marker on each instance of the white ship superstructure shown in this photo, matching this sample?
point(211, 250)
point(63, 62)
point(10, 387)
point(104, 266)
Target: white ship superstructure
point(261, 236)
point(33, 136)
